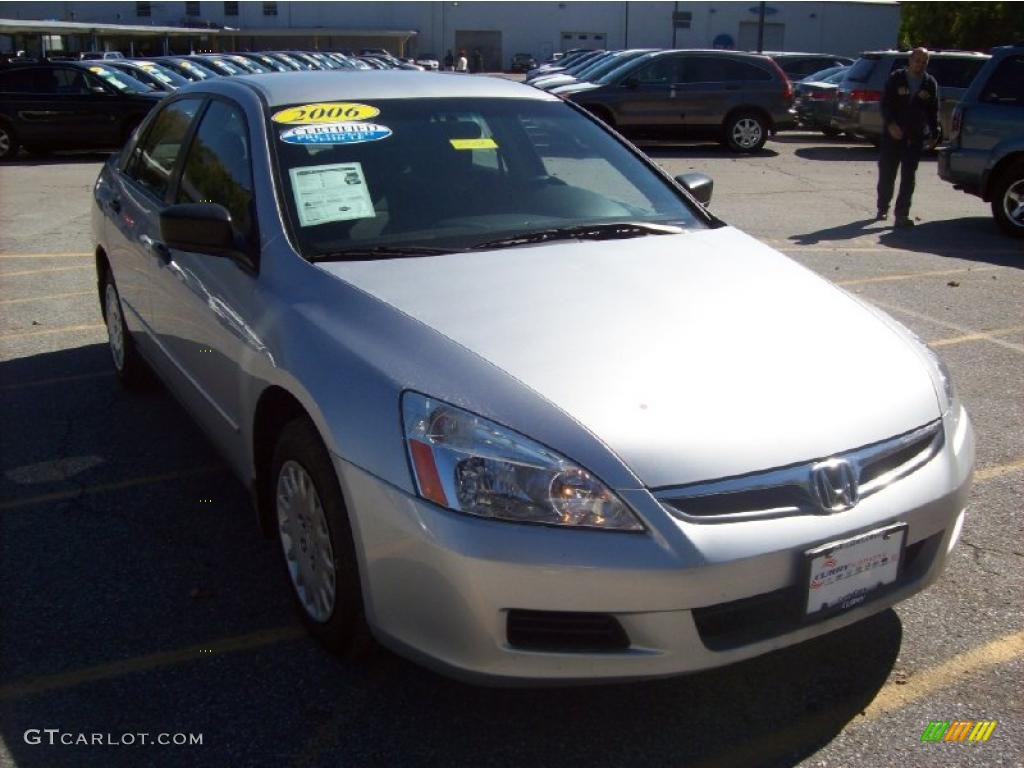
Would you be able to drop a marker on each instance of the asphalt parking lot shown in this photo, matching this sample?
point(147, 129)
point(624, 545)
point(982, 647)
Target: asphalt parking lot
point(138, 596)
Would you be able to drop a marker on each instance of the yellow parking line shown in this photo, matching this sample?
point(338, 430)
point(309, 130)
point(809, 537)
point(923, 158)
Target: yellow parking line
point(979, 336)
point(57, 380)
point(76, 255)
point(46, 298)
point(49, 331)
point(116, 669)
point(105, 487)
point(890, 697)
point(945, 324)
point(962, 666)
point(991, 473)
point(912, 275)
point(44, 271)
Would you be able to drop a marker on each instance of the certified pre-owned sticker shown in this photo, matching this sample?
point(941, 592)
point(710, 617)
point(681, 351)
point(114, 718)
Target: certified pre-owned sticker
point(335, 133)
point(327, 112)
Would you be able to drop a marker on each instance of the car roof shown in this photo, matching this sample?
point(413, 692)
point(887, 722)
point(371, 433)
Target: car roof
point(944, 54)
point(360, 85)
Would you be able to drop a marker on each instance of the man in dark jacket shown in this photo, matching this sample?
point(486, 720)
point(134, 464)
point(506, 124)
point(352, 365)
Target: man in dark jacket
point(910, 120)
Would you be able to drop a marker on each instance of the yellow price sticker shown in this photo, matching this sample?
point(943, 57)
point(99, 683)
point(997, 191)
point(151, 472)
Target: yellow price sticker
point(474, 143)
point(97, 70)
point(327, 112)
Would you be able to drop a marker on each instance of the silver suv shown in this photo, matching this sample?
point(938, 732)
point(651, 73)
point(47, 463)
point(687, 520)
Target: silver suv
point(985, 155)
point(858, 109)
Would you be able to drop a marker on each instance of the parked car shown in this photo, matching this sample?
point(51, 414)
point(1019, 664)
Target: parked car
point(188, 67)
point(158, 77)
point(266, 61)
point(428, 61)
point(858, 107)
point(522, 62)
point(985, 153)
point(738, 98)
point(561, 62)
point(581, 64)
point(77, 105)
point(540, 424)
point(591, 72)
point(218, 64)
point(99, 55)
point(797, 66)
point(814, 100)
point(245, 64)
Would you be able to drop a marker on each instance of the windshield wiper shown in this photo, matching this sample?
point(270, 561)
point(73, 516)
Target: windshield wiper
point(382, 252)
point(605, 231)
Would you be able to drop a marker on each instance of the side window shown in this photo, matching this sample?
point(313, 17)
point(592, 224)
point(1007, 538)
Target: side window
point(741, 70)
point(954, 73)
point(69, 82)
point(21, 81)
point(706, 69)
point(218, 168)
point(152, 162)
point(662, 71)
point(1006, 84)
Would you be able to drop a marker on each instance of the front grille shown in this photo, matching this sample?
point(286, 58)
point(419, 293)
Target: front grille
point(788, 490)
point(565, 632)
point(741, 622)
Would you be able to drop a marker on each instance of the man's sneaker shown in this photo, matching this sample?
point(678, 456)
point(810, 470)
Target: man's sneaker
point(904, 222)
point(881, 214)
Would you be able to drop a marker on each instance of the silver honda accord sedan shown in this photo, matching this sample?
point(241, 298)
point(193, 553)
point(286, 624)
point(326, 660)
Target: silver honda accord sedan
point(506, 393)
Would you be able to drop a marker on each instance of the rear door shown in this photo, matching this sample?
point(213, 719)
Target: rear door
point(704, 92)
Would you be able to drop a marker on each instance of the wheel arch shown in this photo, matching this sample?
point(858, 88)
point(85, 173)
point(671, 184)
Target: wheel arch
point(991, 177)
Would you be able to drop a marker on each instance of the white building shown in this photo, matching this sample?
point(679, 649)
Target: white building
point(496, 29)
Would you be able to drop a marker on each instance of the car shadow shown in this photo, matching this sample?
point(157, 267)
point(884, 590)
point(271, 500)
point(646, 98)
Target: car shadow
point(841, 152)
point(113, 557)
point(57, 158)
point(975, 238)
point(675, 150)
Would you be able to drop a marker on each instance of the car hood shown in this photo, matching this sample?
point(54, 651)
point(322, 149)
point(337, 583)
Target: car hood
point(692, 356)
point(579, 87)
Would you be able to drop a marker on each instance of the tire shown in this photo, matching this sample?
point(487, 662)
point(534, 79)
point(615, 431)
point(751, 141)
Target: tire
point(315, 535)
point(8, 142)
point(745, 132)
point(131, 369)
point(1008, 198)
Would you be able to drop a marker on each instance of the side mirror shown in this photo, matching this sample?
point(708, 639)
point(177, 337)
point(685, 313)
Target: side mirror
point(199, 228)
point(700, 185)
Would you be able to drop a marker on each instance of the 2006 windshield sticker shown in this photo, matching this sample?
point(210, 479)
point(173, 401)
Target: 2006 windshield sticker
point(335, 133)
point(326, 112)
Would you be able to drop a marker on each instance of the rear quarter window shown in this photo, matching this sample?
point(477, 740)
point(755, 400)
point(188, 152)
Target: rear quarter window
point(1006, 84)
point(954, 73)
point(861, 71)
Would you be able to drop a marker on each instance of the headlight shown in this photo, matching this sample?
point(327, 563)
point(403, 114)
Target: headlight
point(472, 465)
point(948, 390)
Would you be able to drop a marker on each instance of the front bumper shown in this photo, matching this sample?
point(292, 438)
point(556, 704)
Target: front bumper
point(438, 586)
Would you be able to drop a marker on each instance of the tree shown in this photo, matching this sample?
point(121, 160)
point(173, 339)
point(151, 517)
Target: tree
point(963, 26)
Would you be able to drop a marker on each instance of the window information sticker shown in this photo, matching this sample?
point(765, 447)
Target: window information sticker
point(326, 193)
point(325, 112)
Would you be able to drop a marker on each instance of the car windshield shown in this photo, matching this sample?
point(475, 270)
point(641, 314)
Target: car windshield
point(861, 70)
point(615, 73)
point(222, 65)
point(119, 81)
point(163, 74)
point(610, 65)
point(458, 173)
point(821, 74)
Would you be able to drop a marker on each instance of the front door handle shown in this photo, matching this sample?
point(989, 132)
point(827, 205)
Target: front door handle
point(156, 248)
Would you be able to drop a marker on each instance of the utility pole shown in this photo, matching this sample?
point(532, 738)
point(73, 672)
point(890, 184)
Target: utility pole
point(760, 27)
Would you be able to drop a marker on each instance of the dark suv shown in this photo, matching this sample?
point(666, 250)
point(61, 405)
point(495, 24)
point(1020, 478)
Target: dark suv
point(738, 98)
point(859, 107)
point(69, 106)
point(985, 154)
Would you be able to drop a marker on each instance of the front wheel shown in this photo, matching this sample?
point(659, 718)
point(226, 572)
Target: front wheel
point(1008, 200)
point(316, 537)
point(745, 132)
point(831, 132)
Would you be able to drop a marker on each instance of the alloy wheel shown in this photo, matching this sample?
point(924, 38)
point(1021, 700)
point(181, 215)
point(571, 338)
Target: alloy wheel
point(1013, 203)
point(115, 326)
point(306, 541)
point(747, 132)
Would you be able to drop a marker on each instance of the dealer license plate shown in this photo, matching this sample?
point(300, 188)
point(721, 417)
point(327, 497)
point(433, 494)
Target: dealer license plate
point(844, 574)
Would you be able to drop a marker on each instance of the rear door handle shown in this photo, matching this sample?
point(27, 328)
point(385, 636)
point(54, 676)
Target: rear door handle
point(156, 248)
